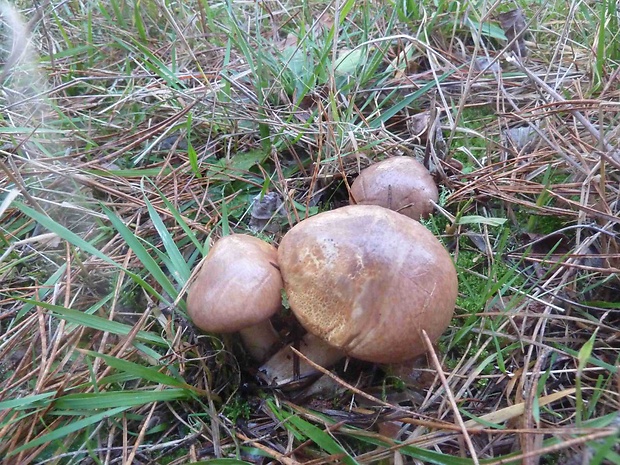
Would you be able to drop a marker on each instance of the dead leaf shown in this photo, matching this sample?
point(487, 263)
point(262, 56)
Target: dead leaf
point(514, 25)
point(514, 411)
point(264, 210)
point(487, 65)
point(418, 125)
point(523, 139)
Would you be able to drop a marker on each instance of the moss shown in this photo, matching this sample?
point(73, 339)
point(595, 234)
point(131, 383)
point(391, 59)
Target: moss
point(236, 409)
point(476, 119)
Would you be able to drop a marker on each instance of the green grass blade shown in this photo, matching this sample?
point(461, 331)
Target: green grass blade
point(125, 399)
point(346, 8)
point(181, 222)
point(151, 62)
point(146, 373)
point(45, 289)
point(77, 241)
point(72, 427)
point(387, 114)
point(64, 233)
point(426, 456)
point(141, 253)
point(27, 402)
point(96, 322)
point(133, 172)
point(139, 23)
point(605, 451)
point(179, 269)
point(220, 462)
point(193, 159)
point(321, 438)
point(118, 12)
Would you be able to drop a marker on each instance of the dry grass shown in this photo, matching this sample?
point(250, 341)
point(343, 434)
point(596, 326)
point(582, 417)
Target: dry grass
point(145, 131)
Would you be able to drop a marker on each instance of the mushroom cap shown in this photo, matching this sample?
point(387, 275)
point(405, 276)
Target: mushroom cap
point(239, 285)
point(367, 280)
point(401, 184)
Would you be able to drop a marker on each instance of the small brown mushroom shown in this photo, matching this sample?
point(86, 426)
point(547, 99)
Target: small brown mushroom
point(400, 183)
point(238, 288)
point(363, 281)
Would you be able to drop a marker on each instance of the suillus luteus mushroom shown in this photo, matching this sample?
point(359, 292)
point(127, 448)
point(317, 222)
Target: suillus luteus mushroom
point(364, 281)
point(238, 289)
point(401, 184)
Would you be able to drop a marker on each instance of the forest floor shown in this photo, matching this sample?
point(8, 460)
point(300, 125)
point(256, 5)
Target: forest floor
point(134, 134)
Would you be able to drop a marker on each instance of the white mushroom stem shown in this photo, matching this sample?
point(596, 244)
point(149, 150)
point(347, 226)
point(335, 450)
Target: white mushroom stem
point(280, 369)
point(259, 340)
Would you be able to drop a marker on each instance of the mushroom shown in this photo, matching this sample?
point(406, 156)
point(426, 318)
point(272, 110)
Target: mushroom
point(400, 183)
point(238, 288)
point(364, 281)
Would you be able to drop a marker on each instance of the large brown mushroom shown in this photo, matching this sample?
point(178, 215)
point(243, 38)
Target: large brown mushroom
point(237, 289)
point(400, 183)
point(363, 281)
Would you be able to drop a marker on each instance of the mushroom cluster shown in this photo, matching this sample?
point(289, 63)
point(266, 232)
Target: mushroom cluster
point(363, 280)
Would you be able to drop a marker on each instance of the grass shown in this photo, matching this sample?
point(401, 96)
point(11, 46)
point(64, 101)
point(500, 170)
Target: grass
point(135, 134)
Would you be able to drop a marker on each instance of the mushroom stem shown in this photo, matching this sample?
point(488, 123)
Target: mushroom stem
point(260, 339)
point(279, 369)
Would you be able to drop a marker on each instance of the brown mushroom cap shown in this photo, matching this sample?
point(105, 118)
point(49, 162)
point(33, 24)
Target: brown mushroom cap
point(238, 287)
point(400, 183)
point(367, 280)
